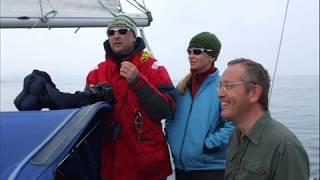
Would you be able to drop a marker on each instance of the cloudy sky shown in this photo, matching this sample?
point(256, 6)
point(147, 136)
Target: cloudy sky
point(246, 28)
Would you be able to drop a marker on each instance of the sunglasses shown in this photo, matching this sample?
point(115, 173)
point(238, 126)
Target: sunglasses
point(197, 51)
point(122, 31)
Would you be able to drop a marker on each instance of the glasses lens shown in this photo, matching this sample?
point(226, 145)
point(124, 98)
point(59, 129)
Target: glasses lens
point(123, 31)
point(111, 32)
point(197, 51)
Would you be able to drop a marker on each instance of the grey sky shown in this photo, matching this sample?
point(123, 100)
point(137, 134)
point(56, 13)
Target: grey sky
point(247, 28)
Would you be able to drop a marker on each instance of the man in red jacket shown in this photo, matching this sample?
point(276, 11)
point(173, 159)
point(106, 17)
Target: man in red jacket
point(135, 147)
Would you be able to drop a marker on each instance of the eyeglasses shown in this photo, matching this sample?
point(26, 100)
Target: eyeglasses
point(122, 31)
point(197, 51)
point(225, 86)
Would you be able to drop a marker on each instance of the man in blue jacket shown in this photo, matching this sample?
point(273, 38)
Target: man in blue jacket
point(197, 135)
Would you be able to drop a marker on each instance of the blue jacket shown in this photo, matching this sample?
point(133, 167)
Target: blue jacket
point(197, 135)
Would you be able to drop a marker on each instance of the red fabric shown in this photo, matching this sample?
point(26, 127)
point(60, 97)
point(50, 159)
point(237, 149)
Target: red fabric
point(126, 158)
point(198, 79)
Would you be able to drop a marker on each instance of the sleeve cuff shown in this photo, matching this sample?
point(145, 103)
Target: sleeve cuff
point(137, 83)
point(212, 150)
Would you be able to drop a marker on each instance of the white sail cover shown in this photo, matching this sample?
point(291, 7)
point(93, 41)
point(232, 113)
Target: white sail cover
point(62, 13)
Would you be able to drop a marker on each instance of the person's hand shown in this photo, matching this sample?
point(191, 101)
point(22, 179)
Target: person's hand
point(129, 71)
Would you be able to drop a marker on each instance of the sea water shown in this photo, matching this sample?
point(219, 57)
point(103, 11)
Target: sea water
point(294, 102)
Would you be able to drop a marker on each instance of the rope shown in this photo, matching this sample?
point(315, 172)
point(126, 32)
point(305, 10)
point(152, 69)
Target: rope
point(279, 49)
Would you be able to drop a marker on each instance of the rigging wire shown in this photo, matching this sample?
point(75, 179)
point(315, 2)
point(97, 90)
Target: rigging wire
point(144, 10)
point(147, 12)
point(41, 15)
point(109, 10)
point(50, 4)
point(41, 10)
point(144, 4)
point(45, 18)
point(143, 7)
point(279, 49)
point(140, 8)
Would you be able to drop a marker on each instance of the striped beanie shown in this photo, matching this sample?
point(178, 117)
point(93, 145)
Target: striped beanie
point(206, 40)
point(123, 21)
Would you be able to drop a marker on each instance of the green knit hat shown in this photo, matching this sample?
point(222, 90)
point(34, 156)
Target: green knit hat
point(206, 40)
point(123, 21)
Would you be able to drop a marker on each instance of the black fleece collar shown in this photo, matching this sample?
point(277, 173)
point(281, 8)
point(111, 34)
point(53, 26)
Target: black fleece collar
point(139, 46)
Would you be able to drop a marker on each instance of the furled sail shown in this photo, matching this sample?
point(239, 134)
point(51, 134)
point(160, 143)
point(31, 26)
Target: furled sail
point(63, 13)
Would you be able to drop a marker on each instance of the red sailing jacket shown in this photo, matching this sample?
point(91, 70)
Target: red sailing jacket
point(135, 155)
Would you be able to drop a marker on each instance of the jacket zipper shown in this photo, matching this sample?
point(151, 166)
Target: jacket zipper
point(184, 135)
point(115, 143)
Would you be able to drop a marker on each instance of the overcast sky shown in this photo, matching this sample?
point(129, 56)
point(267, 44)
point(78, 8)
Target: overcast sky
point(246, 28)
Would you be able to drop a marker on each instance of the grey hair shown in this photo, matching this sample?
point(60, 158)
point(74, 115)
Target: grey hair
point(257, 74)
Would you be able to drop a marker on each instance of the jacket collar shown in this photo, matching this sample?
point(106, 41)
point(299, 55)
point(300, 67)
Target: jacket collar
point(257, 130)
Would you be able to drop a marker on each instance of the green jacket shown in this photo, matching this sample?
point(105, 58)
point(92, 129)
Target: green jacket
point(270, 151)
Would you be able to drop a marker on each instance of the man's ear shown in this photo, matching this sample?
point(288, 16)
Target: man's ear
point(255, 93)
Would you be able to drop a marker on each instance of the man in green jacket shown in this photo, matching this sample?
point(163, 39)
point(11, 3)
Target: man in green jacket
point(261, 148)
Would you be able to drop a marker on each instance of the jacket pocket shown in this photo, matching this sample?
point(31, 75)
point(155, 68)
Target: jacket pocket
point(253, 170)
point(231, 156)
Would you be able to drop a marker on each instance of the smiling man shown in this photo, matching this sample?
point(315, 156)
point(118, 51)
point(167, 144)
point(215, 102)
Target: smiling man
point(261, 147)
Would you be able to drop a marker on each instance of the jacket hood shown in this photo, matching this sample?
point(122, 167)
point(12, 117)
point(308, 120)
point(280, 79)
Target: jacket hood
point(139, 46)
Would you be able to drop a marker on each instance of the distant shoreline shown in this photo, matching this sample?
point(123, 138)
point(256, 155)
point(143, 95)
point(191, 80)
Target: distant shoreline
point(72, 78)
